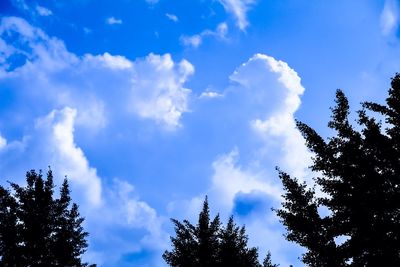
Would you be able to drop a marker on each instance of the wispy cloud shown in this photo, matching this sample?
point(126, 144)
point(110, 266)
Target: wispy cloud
point(390, 17)
point(172, 17)
point(42, 11)
point(195, 40)
point(239, 9)
point(113, 20)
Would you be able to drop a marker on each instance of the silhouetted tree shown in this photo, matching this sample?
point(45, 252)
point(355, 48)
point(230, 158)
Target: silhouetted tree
point(267, 261)
point(209, 244)
point(38, 230)
point(359, 176)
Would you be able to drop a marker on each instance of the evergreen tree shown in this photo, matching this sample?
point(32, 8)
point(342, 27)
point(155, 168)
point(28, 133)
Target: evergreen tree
point(209, 244)
point(9, 236)
point(267, 261)
point(233, 250)
point(38, 230)
point(359, 174)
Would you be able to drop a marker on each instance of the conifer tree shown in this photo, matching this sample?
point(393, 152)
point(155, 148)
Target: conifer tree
point(38, 230)
point(209, 244)
point(267, 261)
point(358, 173)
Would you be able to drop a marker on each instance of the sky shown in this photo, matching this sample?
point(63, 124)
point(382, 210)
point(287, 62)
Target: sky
point(147, 106)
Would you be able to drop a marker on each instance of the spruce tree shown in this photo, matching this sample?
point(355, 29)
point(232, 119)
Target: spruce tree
point(209, 244)
point(37, 229)
point(267, 261)
point(358, 174)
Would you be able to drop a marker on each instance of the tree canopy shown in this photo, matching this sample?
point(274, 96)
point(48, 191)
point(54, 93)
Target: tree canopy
point(37, 229)
point(358, 173)
point(209, 243)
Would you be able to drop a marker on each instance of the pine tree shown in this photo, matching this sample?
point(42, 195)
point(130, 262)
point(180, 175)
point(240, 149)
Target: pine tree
point(233, 250)
point(38, 230)
point(9, 236)
point(210, 244)
point(359, 174)
point(267, 261)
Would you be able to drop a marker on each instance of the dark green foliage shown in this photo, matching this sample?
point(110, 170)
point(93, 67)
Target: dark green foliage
point(38, 230)
point(360, 178)
point(209, 244)
point(267, 261)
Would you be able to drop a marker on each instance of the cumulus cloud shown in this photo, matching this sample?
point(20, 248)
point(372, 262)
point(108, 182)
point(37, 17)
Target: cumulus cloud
point(113, 20)
point(57, 128)
point(239, 9)
point(42, 11)
point(230, 179)
point(195, 40)
point(172, 17)
point(389, 17)
point(268, 93)
point(161, 95)
point(151, 87)
point(278, 126)
point(107, 210)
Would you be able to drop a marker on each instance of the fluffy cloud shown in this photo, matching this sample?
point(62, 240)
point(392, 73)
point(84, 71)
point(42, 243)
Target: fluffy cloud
point(57, 93)
point(278, 127)
point(107, 211)
point(267, 92)
point(151, 87)
point(158, 89)
point(195, 40)
point(389, 17)
point(238, 8)
point(63, 155)
point(230, 179)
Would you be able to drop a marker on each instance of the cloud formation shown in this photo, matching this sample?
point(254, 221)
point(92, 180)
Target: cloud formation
point(113, 21)
point(239, 9)
point(172, 17)
point(195, 40)
point(278, 127)
point(42, 11)
point(390, 17)
point(150, 88)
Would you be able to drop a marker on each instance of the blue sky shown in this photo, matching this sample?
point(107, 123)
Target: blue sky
point(150, 105)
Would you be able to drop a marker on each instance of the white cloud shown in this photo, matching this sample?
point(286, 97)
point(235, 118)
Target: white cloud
point(65, 156)
point(172, 17)
point(3, 142)
point(112, 21)
point(229, 179)
point(42, 11)
point(195, 40)
point(158, 90)
point(109, 61)
point(108, 210)
point(389, 17)
point(96, 85)
point(278, 127)
point(210, 94)
point(271, 90)
point(239, 9)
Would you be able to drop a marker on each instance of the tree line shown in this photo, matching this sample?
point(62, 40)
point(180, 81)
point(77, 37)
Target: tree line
point(357, 172)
